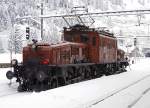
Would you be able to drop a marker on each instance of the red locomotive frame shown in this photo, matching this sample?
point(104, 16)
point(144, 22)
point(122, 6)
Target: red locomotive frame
point(84, 53)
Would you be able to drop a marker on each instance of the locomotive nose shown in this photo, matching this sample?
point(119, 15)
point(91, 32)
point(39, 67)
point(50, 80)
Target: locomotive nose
point(9, 75)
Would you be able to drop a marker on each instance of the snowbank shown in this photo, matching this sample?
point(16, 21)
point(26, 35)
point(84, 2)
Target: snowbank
point(78, 95)
point(6, 57)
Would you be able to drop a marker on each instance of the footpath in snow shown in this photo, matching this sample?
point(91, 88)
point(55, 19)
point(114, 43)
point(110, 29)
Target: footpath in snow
point(85, 94)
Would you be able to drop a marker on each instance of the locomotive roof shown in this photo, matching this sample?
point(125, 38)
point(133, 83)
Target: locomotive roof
point(40, 44)
point(65, 43)
point(62, 43)
point(83, 28)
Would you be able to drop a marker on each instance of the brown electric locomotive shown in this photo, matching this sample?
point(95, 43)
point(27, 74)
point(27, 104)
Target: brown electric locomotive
point(84, 53)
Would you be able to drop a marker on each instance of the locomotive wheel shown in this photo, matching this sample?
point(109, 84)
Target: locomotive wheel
point(79, 73)
point(87, 72)
point(94, 71)
point(100, 71)
point(54, 83)
point(37, 87)
point(61, 81)
point(123, 69)
point(21, 88)
point(70, 73)
point(110, 70)
point(107, 72)
point(25, 86)
point(83, 73)
point(76, 72)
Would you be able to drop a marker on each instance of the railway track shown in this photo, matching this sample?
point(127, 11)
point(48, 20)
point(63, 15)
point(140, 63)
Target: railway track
point(8, 94)
point(139, 98)
point(109, 95)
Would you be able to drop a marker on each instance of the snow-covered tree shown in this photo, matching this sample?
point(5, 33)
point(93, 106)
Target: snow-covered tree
point(1, 47)
point(10, 9)
point(15, 41)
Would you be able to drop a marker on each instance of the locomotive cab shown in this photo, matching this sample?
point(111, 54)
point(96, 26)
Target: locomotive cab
point(37, 53)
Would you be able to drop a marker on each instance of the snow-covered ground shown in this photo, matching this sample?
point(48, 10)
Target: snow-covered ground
point(96, 93)
point(6, 57)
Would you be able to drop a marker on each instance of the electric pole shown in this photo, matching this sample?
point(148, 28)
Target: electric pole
point(41, 21)
point(135, 45)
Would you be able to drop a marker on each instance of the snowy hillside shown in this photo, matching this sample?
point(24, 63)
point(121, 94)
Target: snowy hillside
point(10, 9)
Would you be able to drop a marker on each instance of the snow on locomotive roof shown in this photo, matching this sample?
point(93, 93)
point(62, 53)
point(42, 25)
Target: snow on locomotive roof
point(79, 27)
point(63, 43)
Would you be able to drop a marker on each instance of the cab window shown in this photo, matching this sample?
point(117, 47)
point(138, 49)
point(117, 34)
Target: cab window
point(94, 41)
point(84, 38)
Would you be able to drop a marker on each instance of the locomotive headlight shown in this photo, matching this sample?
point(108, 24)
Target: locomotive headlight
point(14, 62)
point(33, 46)
point(45, 61)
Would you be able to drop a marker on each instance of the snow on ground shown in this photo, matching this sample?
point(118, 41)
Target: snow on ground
point(83, 94)
point(6, 57)
point(5, 88)
point(127, 98)
point(4, 36)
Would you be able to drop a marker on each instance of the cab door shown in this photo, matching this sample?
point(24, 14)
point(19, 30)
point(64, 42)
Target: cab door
point(94, 48)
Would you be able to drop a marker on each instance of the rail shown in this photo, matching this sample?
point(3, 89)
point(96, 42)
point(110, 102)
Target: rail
point(109, 95)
